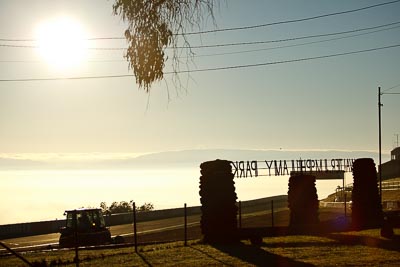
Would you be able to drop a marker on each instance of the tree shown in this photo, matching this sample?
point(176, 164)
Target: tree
point(120, 207)
point(146, 207)
point(124, 207)
point(153, 25)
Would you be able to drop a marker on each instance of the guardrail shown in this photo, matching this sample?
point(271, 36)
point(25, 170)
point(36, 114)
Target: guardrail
point(392, 185)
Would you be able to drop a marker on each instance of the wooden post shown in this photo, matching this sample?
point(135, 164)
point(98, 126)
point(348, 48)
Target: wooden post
point(272, 213)
point(240, 214)
point(345, 205)
point(134, 227)
point(185, 228)
point(75, 221)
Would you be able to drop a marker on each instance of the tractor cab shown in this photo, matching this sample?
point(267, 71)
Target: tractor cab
point(84, 227)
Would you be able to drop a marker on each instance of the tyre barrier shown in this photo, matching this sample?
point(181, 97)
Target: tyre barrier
point(218, 202)
point(303, 203)
point(366, 206)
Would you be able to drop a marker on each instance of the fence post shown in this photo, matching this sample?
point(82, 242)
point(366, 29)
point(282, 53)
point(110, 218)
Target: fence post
point(345, 205)
point(240, 214)
point(75, 220)
point(272, 213)
point(185, 227)
point(134, 226)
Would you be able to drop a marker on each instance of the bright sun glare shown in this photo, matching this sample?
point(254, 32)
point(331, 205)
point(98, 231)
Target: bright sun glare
point(62, 42)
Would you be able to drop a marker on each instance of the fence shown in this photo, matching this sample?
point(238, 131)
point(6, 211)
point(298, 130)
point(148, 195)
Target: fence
point(48, 227)
point(388, 185)
point(172, 227)
point(392, 185)
point(183, 224)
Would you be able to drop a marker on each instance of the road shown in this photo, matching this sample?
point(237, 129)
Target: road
point(122, 230)
point(126, 230)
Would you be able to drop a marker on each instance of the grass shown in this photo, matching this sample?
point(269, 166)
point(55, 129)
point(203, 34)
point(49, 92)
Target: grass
point(364, 248)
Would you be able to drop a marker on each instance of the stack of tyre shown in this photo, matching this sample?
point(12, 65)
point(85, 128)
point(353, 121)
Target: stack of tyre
point(302, 202)
point(218, 202)
point(366, 205)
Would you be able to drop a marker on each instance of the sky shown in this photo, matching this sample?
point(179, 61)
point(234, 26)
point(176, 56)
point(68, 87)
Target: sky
point(328, 103)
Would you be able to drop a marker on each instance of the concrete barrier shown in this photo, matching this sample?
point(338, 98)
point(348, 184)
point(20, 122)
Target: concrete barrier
point(31, 228)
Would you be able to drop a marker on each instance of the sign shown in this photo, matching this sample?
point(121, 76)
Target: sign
point(323, 175)
point(253, 168)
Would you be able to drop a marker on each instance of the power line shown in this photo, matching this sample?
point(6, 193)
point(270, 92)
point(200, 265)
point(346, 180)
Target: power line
point(390, 89)
point(293, 20)
point(297, 38)
point(292, 60)
point(19, 46)
point(36, 46)
point(67, 78)
point(233, 28)
point(240, 51)
point(40, 61)
point(86, 39)
point(293, 45)
point(208, 69)
point(254, 42)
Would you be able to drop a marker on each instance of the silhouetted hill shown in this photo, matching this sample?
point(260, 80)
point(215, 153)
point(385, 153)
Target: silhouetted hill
point(193, 158)
point(179, 159)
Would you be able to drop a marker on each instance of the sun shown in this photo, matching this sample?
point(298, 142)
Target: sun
point(62, 42)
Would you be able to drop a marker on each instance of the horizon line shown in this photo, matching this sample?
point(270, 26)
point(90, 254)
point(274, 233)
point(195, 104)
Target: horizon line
point(99, 156)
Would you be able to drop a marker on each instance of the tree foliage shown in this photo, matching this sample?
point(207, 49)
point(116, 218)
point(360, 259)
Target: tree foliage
point(124, 206)
point(154, 25)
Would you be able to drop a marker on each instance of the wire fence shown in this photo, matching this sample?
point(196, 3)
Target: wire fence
point(173, 225)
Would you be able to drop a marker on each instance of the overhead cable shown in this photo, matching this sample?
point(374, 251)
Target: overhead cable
point(230, 53)
point(208, 69)
point(238, 28)
point(293, 20)
point(293, 45)
point(249, 43)
point(384, 91)
point(297, 38)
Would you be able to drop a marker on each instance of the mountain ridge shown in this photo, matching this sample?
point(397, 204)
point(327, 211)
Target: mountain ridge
point(182, 158)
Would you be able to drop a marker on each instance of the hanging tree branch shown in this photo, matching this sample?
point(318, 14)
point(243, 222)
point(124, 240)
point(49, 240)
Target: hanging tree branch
point(154, 25)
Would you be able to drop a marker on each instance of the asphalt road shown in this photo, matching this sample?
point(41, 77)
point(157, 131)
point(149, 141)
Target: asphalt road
point(126, 230)
point(122, 230)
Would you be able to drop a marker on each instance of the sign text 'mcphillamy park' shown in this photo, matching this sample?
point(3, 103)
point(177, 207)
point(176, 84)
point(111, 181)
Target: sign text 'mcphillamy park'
point(254, 168)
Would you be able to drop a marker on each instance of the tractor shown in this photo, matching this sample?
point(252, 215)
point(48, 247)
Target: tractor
point(84, 227)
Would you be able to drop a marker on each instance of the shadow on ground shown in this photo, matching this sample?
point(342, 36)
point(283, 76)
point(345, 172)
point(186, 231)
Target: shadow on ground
point(257, 256)
point(387, 244)
point(144, 259)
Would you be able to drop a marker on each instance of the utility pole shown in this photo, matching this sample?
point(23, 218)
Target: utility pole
point(380, 143)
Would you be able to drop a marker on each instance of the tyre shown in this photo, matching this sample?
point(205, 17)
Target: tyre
point(366, 206)
point(302, 202)
point(218, 199)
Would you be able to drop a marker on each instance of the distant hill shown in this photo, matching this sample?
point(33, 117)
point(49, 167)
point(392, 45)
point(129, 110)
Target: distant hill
point(185, 158)
point(236, 154)
point(193, 158)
